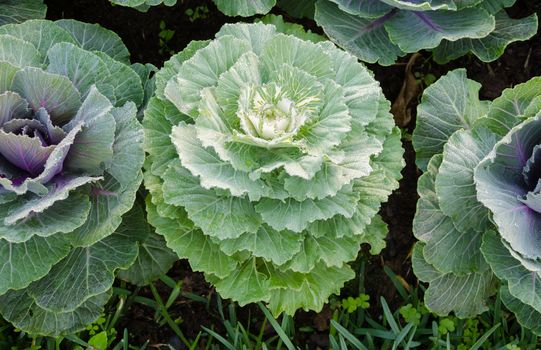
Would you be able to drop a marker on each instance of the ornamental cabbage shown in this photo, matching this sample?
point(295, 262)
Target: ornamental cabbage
point(478, 216)
point(269, 157)
point(70, 166)
point(383, 30)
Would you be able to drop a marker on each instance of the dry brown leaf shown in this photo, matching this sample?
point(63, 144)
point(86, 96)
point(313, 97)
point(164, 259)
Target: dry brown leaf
point(411, 88)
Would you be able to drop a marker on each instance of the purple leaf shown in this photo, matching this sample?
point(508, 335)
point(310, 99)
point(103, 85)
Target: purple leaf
point(25, 152)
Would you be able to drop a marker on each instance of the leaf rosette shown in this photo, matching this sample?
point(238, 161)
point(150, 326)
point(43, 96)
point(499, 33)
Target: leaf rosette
point(478, 214)
point(269, 157)
point(70, 165)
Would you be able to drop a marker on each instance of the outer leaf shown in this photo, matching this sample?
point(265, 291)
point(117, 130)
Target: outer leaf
point(61, 217)
point(83, 274)
point(446, 106)
point(92, 37)
point(455, 186)
point(217, 215)
point(465, 295)
point(507, 110)
point(53, 92)
point(245, 284)
point(526, 315)
point(365, 38)
point(414, 30)
point(154, 258)
point(42, 34)
point(295, 216)
point(23, 263)
point(271, 245)
point(492, 46)
point(21, 310)
point(244, 8)
point(15, 11)
point(190, 243)
point(522, 284)
point(18, 53)
point(313, 291)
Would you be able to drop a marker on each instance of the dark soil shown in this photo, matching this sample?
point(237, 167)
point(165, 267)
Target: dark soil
point(140, 32)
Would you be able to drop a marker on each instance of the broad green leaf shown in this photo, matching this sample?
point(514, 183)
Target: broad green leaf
point(244, 8)
point(172, 66)
point(246, 284)
point(160, 116)
point(267, 243)
point(362, 92)
point(299, 8)
point(327, 249)
point(522, 283)
point(455, 186)
point(363, 37)
point(431, 27)
point(255, 34)
point(314, 291)
point(293, 28)
point(527, 316)
point(428, 216)
point(448, 105)
point(92, 37)
point(296, 216)
point(331, 124)
point(92, 149)
point(284, 49)
point(15, 11)
point(7, 72)
point(62, 217)
point(22, 311)
point(190, 243)
point(12, 105)
point(154, 258)
point(23, 263)
point(18, 53)
point(42, 34)
point(127, 86)
point(82, 67)
point(507, 110)
point(364, 8)
point(492, 46)
point(375, 234)
point(447, 249)
point(83, 274)
point(352, 162)
point(53, 92)
point(466, 295)
point(221, 216)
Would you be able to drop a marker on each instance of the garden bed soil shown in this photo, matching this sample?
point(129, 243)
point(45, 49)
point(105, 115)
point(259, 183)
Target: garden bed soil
point(140, 32)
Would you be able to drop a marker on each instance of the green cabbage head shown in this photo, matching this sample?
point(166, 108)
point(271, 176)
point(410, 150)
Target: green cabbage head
point(478, 217)
point(269, 157)
point(70, 166)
